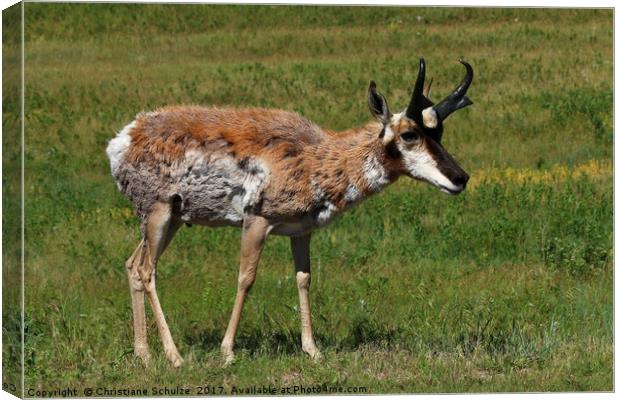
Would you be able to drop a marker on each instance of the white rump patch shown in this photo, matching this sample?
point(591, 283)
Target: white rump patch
point(375, 174)
point(118, 146)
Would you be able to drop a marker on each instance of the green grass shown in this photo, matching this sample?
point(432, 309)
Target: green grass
point(507, 287)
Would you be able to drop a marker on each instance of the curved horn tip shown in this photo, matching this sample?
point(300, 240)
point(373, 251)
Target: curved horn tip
point(414, 109)
point(465, 63)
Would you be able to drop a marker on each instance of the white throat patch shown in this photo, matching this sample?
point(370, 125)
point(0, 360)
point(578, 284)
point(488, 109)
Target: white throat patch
point(376, 176)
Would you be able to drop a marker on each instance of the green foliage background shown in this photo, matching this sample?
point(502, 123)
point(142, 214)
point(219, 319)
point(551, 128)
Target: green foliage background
point(507, 287)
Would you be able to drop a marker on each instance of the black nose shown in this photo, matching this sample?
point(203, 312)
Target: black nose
point(461, 180)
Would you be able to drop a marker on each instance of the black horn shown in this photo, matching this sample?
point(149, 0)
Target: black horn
point(418, 101)
point(457, 99)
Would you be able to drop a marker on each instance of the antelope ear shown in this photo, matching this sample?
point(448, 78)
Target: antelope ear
point(378, 104)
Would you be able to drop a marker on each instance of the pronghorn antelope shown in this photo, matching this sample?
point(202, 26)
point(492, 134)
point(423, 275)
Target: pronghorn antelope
point(269, 171)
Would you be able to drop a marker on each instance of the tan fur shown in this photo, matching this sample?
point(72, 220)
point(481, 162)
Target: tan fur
point(296, 151)
point(403, 125)
point(166, 134)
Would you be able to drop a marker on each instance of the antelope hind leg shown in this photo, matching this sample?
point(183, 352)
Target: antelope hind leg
point(160, 228)
point(136, 289)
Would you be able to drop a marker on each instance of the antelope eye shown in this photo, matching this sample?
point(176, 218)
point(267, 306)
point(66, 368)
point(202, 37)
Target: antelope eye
point(410, 136)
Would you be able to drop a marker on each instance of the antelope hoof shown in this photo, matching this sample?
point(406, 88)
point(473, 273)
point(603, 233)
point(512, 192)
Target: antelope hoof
point(175, 358)
point(229, 360)
point(144, 355)
point(314, 353)
point(228, 355)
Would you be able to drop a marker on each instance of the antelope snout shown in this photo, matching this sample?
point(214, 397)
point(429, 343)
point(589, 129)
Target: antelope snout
point(461, 180)
point(457, 181)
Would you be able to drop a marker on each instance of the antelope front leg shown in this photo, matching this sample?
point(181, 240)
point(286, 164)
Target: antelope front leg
point(255, 231)
point(300, 247)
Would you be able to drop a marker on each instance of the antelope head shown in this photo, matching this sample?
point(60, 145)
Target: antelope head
point(414, 135)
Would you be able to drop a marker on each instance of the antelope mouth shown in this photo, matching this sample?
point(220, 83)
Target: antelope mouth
point(452, 192)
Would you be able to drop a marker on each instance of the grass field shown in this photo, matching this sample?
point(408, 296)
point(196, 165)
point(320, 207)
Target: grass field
point(507, 287)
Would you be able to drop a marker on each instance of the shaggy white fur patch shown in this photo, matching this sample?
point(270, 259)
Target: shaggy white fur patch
point(118, 146)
